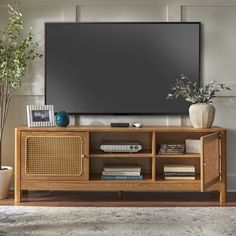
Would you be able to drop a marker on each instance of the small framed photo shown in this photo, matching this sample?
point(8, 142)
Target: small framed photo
point(40, 115)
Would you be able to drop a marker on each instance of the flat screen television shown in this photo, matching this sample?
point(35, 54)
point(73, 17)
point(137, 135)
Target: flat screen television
point(119, 68)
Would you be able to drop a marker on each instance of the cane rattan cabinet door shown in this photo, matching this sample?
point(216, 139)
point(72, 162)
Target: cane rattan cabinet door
point(210, 160)
point(55, 156)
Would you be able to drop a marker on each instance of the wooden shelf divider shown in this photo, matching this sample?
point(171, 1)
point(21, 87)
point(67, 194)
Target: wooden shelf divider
point(185, 155)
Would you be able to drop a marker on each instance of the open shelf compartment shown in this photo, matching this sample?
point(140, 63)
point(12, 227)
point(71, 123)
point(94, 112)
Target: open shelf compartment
point(97, 166)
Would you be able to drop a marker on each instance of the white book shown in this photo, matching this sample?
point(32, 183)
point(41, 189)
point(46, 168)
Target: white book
point(122, 168)
point(179, 168)
point(119, 173)
point(179, 177)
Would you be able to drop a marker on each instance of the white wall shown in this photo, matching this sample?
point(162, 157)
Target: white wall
point(218, 55)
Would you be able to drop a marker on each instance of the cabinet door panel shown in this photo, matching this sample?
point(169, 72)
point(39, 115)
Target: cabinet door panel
point(55, 157)
point(210, 160)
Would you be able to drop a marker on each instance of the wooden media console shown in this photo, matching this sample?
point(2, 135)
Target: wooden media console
point(70, 159)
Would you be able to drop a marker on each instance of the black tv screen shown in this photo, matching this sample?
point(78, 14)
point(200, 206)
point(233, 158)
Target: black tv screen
point(119, 68)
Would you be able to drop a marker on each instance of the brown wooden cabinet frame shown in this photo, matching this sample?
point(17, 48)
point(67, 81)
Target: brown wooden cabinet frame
point(59, 171)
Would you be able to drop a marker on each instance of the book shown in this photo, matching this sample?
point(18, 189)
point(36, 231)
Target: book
point(119, 173)
point(121, 177)
point(171, 148)
point(171, 152)
point(122, 168)
point(180, 174)
point(172, 145)
point(179, 177)
point(179, 168)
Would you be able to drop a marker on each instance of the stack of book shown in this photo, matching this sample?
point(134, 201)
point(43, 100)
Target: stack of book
point(174, 148)
point(179, 172)
point(124, 172)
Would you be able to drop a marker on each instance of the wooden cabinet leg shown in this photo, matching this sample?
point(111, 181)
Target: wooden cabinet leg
point(17, 166)
point(120, 194)
point(222, 194)
point(17, 195)
point(223, 184)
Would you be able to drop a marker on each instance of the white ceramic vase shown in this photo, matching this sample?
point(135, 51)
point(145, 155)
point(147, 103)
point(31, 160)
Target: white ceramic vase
point(202, 115)
point(5, 180)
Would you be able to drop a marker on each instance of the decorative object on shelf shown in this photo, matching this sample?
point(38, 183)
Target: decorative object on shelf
point(40, 115)
point(16, 51)
point(193, 145)
point(62, 119)
point(201, 113)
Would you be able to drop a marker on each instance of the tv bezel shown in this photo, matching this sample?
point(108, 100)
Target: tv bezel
point(121, 114)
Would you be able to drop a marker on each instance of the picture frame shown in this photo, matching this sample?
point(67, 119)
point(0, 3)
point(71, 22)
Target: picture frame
point(40, 115)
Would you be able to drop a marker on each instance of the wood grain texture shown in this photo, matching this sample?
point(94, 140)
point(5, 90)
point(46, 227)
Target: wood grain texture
point(223, 165)
point(187, 155)
point(94, 128)
point(153, 156)
point(114, 185)
point(98, 154)
point(17, 166)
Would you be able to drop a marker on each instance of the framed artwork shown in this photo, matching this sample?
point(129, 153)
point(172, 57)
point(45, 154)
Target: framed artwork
point(40, 115)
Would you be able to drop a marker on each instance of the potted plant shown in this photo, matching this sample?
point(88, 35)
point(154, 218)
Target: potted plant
point(15, 54)
point(201, 112)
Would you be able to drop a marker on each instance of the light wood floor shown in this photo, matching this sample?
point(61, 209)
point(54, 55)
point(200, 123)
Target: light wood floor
point(110, 199)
